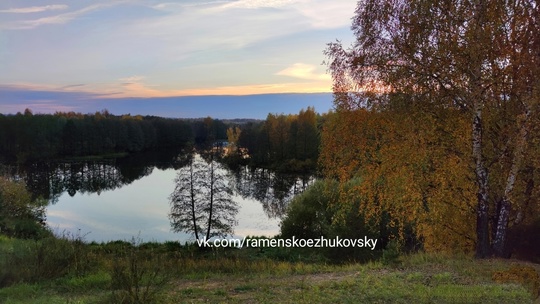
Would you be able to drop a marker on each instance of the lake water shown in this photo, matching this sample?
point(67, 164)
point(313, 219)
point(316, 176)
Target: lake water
point(141, 209)
point(126, 198)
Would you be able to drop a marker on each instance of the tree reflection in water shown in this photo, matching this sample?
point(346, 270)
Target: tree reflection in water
point(201, 203)
point(50, 180)
point(273, 190)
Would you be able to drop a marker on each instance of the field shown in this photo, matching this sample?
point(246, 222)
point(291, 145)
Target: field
point(68, 271)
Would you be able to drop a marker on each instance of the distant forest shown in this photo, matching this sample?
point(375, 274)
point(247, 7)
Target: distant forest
point(283, 142)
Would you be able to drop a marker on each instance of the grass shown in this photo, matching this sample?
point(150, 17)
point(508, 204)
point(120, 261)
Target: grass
point(179, 274)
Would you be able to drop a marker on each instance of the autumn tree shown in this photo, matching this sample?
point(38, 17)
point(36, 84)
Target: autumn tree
point(475, 59)
point(233, 134)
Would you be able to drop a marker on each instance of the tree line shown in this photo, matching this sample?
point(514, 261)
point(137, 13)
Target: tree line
point(284, 142)
point(28, 137)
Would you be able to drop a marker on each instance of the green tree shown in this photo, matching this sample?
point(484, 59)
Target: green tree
point(20, 216)
point(307, 135)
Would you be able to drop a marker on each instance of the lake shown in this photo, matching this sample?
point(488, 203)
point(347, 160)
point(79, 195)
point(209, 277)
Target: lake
point(119, 199)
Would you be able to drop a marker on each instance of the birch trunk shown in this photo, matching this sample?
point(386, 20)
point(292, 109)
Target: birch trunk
point(482, 216)
point(499, 242)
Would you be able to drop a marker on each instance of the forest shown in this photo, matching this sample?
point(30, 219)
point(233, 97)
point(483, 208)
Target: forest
point(282, 142)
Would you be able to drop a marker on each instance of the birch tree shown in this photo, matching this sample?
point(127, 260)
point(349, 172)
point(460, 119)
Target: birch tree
point(480, 58)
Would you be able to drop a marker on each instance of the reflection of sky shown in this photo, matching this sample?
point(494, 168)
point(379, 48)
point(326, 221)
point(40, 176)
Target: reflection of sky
point(253, 221)
point(140, 210)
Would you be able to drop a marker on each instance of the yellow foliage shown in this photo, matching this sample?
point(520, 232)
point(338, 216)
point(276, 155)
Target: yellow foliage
point(414, 166)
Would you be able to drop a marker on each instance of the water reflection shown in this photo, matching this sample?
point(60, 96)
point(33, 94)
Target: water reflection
point(274, 191)
point(50, 180)
point(201, 203)
point(120, 198)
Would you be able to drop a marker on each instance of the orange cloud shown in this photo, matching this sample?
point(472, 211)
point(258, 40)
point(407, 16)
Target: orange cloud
point(303, 71)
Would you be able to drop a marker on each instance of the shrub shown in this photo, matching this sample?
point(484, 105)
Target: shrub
point(20, 215)
point(137, 276)
point(391, 254)
point(525, 275)
point(523, 241)
point(313, 214)
point(48, 258)
point(308, 214)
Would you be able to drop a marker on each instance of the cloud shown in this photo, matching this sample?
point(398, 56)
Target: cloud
point(63, 18)
point(320, 14)
point(303, 71)
point(142, 90)
point(254, 4)
point(35, 9)
point(324, 14)
point(217, 25)
point(71, 86)
point(173, 6)
point(131, 79)
point(58, 19)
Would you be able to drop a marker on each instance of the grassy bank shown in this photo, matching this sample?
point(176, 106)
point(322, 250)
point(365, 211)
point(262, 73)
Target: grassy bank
point(68, 271)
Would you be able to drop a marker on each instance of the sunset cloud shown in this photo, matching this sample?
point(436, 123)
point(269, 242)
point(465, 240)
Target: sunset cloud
point(90, 50)
point(62, 18)
point(253, 4)
point(35, 9)
point(303, 71)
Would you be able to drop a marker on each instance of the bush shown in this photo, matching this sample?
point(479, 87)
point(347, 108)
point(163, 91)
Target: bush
point(48, 258)
point(523, 241)
point(137, 275)
point(321, 212)
point(391, 254)
point(313, 214)
point(20, 215)
point(308, 215)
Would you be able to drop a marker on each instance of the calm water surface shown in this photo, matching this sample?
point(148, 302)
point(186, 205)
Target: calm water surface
point(141, 209)
point(129, 197)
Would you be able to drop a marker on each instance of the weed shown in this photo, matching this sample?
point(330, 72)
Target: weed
point(525, 275)
point(137, 276)
point(391, 254)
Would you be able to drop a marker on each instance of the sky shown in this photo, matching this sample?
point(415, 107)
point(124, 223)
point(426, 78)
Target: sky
point(225, 59)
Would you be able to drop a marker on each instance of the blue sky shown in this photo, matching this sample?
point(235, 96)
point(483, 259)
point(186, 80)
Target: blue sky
point(154, 57)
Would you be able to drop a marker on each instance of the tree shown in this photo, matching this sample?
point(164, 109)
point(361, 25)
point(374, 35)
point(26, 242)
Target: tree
point(479, 58)
point(20, 216)
point(278, 127)
point(233, 135)
point(307, 135)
